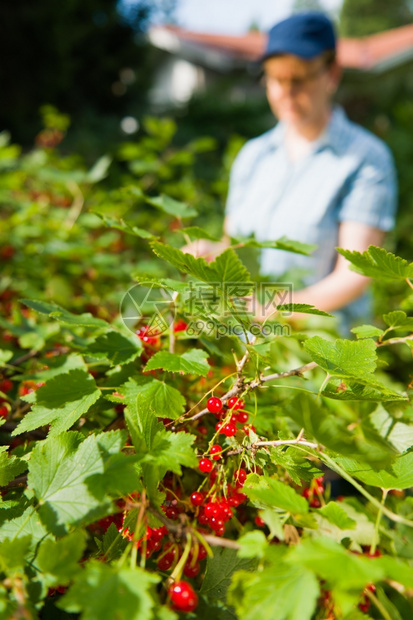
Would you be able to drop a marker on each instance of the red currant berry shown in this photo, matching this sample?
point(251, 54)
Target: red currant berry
point(209, 510)
point(203, 519)
point(171, 513)
point(216, 452)
point(248, 428)
point(6, 385)
point(205, 465)
point(4, 412)
point(203, 430)
point(183, 597)
point(180, 326)
point(242, 417)
point(214, 404)
point(165, 562)
point(259, 521)
point(219, 427)
point(229, 430)
point(240, 475)
point(191, 570)
point(235, 403)
point(202, 553)
point(197, 498)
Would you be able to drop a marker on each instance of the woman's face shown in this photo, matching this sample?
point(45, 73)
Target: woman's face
point(299, 91)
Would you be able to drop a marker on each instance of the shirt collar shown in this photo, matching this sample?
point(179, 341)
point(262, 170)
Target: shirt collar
point(334, 136)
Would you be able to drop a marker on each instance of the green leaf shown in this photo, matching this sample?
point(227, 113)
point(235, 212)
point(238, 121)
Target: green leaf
point(332, 562)
point(253, 545)
point(113, 544)
point(191, 362)
point(335, 514)
point(64, 316)
point(18, 523)
point(283, 243)
point(279, 592)
point(398, 320)
point(171, 206)
point(227, 267)
point(103, 592)
point(99, 170)
point(361, 531)
point(116, 348)
point(112, 222)
point(194, 232)
point(61, 402)
point(10, 466)
point(363, 388)
point(378, 263)
point(60, 558)
point(171, 450)
point(367, 331)
point(219, 571)
point(165, 400)
point(14, 554)
point(119, 478)
point(398, 476)
point(304, 308)
point(58, 473)
point(5, 356)
point(271, 493)
point(343, 357)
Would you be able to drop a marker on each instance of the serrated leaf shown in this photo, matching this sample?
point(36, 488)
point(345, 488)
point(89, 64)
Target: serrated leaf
point(343, 357)
point(104, 592)
point(398, 476)
point(378, 263)
point(60, 558)
point(14, 554)
point(10, 467)
point(17, 523)
point(283, 243)
point(219, 571)
point(119, 478)
point(271, 493)
point(115, 347)
point(227, 267)
point(166, 401)
point(171, 206)
point(58, 473)
point(191, 362)
point(61, 402)
point(112, 222)
point(113, 544)
point(363, 388)
point(336, 515)
point(64, 316)
point(304, 308)
point(367, 331)
point(172, 450)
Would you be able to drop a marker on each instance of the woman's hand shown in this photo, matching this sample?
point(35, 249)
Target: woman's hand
point(205, 248)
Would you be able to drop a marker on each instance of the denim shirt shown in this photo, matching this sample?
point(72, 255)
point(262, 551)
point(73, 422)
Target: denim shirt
point(348, 175)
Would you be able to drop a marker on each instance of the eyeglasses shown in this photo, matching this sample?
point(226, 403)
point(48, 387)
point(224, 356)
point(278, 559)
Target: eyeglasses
point(294, 83)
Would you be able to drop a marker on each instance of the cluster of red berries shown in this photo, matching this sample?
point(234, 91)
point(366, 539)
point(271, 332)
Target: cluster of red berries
point(5, 386)
point(229, 417)
point(314, 492)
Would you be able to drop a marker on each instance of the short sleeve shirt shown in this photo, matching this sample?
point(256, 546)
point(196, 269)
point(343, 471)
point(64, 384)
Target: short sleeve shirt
point(348, 175)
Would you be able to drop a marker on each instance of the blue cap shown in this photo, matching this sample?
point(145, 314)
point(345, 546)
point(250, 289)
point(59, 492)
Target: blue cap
point(306, 35)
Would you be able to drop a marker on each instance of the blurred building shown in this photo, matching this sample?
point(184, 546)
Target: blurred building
point(194, 62)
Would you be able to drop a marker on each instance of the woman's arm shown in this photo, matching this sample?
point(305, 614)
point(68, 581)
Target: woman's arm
point(342, 285)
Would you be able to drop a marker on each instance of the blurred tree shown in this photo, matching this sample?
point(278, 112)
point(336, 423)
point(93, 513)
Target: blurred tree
point(359, 18)
point(307, 5)
point(83, 56)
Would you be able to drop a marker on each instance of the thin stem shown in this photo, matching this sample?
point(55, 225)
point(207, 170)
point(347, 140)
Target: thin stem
point(373, 598)
point(287, 442)
point(409, 282)
point(391, 515)
point(177, 571)
point(376, 536)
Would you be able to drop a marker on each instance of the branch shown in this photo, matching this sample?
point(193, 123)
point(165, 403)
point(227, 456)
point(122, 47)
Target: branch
point(394, 341)
point(287, 442)
point(245, 387)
